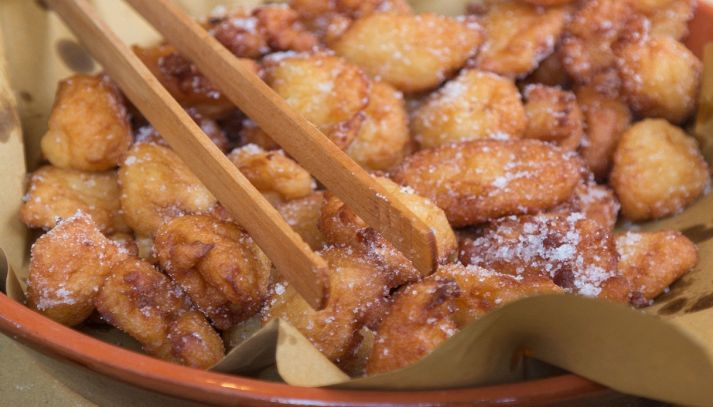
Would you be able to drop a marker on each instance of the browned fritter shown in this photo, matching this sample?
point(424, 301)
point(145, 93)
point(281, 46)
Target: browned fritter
point(303, 215)
point(139, 300)
point(67, 268)
point(597, 202)
point(89, 126)
point(480, 180)
point(668, 17)
point(653, 261)
point(553, 115)
point(146, 133)
point(217, 264)
point(550, 72)
point(58, 193)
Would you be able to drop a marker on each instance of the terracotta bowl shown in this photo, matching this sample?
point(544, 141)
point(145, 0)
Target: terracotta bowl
point(65, 344)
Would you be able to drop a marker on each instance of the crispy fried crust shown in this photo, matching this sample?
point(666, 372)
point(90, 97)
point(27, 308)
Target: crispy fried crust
point(597, 202)
point(156, 186)
point(553, 115)
point(658, 170)
point(480, 180)
point(67, 268)
point(145, 304)
point(653, 261)
point(411, 52)
point(58, 193)
point(668, 17)
point(89, 126)
point(217, 264)
point(475, 105)
point(518, 36)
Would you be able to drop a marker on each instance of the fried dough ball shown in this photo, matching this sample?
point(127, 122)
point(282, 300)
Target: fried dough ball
point(481, 290)
point(658, 170)
point(653, 261)
point(586, 48)
point(596, 202)
point(58, 193)
point(324, 89)
point(139, 300)
point(553, 115)
point(67, 268)
point(550, 72)
point(217, 264)
point(668, 17)
point(303, 215)
point(340, 225)
point(89, 126)
point(384, 135)
point(357, 293)
point(156, 186)
point(475, 105)
point(411, 52)
point(418, 321)
point(146, 133)
point(575, 252)
point(480, 180)
point(606, 118)
point(271, 172)
point(660, 77)
point(549, 2)
point(518, 36)
point(266, 29)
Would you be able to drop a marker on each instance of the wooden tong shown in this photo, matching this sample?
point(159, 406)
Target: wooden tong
point(313, 150)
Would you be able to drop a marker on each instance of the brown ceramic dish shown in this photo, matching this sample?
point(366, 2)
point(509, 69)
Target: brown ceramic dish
point(63, 343)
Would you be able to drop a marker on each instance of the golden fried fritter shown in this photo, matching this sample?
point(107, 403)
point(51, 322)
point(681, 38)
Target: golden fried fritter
point(156, 186)
point(596, 202)
point(383, 137)
point(549, 2)
point(324, 89)
point(139, 300)
point(67, 268)
point(553, 115)
point(480, 180)
point(217, 264)
point(340, 225)
point(266, 29)
point(475, 105)
point(660, 77)
point(658, 170)
point(668, 17)
point(653, 261)
point(145, 133)
point(575, 252)
point(411, 52)
point(303, 215)
point(606, 118)
point(89, 126)
point(357, 293)
point(58, 193)
point(550, 72)
point(418, 321)
point(518, 36)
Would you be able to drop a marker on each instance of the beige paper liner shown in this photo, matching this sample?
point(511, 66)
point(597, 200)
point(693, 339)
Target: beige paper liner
point(663, 352)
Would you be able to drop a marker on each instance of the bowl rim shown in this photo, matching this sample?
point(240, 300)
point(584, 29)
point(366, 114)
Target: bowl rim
point(53, 339)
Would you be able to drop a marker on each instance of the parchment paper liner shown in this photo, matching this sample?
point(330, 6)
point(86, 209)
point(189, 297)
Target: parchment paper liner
point(663, 352)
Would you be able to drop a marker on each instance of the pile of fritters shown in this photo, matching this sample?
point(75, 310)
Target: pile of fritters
point(518, 132)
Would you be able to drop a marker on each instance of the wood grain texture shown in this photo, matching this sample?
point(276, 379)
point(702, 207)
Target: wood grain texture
point(291, 256)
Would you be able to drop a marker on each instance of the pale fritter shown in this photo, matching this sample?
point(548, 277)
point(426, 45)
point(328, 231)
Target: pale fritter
point(480, 180)
point(668, 17)
point(357, 294)
point(417, 322)
point(660, 77)
point(576, 253)
point(303, 215)
point(553, 115)
point(475, 105)
point(67, 268)
point(340, 225)
point(658, 170)
point(596, 202)
point(217, 264)
point(653, 261)
point(156, 186)
point(606, 117)
point(144, 303)
point(411, 52)
point(271, 172)
point(89, 126)
point(518, 36)
point(58, 193)
point(383, 138)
